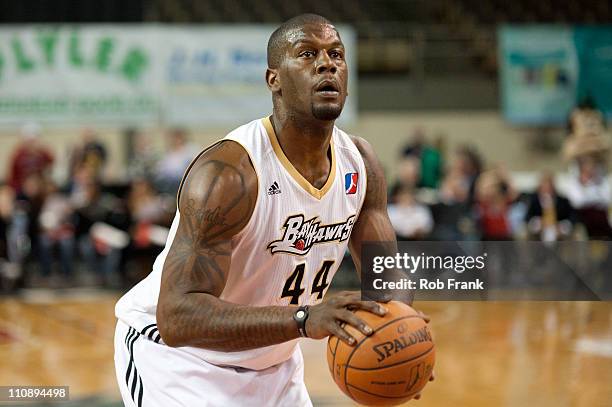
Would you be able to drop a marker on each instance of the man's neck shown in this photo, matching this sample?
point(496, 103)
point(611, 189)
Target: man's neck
point(305, 143)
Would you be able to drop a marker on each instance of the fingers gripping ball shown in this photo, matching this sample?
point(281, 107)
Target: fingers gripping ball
point(388, 367)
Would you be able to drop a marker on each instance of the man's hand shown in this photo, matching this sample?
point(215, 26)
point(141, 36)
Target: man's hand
point(326, 318)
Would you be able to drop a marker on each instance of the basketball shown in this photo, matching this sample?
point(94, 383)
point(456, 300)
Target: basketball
point(388, 367)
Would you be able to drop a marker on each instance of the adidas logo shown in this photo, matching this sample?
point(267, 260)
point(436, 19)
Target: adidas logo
point(274, 189)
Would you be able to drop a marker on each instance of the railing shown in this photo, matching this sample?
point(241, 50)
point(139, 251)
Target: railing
point(421, 50)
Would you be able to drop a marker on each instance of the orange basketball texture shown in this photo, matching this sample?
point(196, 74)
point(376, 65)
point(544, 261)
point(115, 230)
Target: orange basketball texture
point(388, 367)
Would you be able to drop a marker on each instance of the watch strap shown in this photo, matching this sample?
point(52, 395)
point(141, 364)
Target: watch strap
point(300, 316)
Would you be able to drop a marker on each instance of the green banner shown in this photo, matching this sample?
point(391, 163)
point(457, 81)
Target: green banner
point(538, 74)
point(594, 49)
point(80, 75)
point(72, 75)
point(547, 70)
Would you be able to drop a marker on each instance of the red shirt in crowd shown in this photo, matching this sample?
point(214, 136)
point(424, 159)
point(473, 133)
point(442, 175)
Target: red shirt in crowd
point(494, 221)
point(28, 160)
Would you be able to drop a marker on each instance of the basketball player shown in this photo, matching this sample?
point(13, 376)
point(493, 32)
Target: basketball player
point(264, 218)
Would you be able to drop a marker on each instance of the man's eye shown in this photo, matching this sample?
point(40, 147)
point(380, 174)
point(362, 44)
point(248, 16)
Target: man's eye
point(307, 54)
point(336, 54)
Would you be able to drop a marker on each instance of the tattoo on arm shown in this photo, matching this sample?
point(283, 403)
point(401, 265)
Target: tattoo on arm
point(215, 204)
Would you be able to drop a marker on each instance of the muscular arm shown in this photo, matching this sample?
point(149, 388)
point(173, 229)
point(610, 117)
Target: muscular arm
point(216, 201)
point(373, 224)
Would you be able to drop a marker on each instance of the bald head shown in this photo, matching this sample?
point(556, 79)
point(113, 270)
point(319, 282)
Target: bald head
point(279, 38)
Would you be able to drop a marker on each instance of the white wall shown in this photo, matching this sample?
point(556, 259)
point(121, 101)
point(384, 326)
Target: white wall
point(496, 141)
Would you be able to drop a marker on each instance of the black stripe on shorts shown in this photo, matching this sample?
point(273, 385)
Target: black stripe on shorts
point(151, 332)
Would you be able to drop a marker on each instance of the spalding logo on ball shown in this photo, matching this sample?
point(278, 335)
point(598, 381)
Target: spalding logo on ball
point(389, 367)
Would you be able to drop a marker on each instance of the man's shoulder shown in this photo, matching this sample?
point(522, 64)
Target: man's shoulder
point(364, 148)
point(225, 165)
point(359, 142)
point(232, 148)
point(220, 183)
point(349, 141)
point(225, 152)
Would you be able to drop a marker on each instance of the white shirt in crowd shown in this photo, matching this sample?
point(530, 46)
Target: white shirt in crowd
point(597, 194)
point(408, 220)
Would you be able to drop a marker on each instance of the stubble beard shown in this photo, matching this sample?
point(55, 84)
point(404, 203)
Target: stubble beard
point(326, 111)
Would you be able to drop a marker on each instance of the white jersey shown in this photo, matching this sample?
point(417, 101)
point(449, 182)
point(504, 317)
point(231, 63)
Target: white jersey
point(289, 250)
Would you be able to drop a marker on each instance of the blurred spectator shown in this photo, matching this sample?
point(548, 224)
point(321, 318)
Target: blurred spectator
point(410, 219)
point(589, 193)
point(29, 204)
point(57, 231)
point(175, 161)
point(432, 164)
point(549, 216)
point(29, 158)
point(415, 145)
point(90, 153)
point(587, 148)
point(143, 159)
point(494, 196)
point(454, 187)
point(430, 159)
point(10, 258)
point(146, 205)
point(586, 118)
point(150, 214)
point(587, 136)
point(466, 166)
point(452, 213)
point(7, 205)
point(100, 219)
point(408, 176)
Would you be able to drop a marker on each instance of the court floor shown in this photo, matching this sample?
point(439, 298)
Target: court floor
point(488, 354)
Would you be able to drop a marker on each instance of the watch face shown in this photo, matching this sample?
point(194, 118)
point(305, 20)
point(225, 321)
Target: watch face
point(300, 314)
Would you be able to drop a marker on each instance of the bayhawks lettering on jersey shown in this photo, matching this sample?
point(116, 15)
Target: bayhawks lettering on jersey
point(300, 235)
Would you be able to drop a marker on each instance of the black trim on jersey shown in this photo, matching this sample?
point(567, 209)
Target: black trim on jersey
point(153, 333)
point(132, 372)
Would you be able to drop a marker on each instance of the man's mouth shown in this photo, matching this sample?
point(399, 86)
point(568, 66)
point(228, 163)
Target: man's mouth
point(327, 88)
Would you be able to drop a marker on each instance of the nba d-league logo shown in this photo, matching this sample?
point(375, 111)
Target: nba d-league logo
point(350, 182)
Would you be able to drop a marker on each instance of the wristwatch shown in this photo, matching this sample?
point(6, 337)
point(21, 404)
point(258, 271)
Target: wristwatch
point(300, 317)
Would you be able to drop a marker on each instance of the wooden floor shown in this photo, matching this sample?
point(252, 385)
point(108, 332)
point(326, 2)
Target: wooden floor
point(488, 354)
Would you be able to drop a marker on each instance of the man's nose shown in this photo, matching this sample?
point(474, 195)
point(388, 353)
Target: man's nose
point(325, 63)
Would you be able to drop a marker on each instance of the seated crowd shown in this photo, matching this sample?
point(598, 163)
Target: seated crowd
point(88, 232)
point(455, 196)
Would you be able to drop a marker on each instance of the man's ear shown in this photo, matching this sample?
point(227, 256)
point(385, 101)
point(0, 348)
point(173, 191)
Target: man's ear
point(272, 80)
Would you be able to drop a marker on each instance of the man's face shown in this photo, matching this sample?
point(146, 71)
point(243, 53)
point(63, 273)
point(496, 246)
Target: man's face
point(313, 72)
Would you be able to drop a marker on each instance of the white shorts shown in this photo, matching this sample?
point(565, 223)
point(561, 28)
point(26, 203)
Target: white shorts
point(155, 375)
